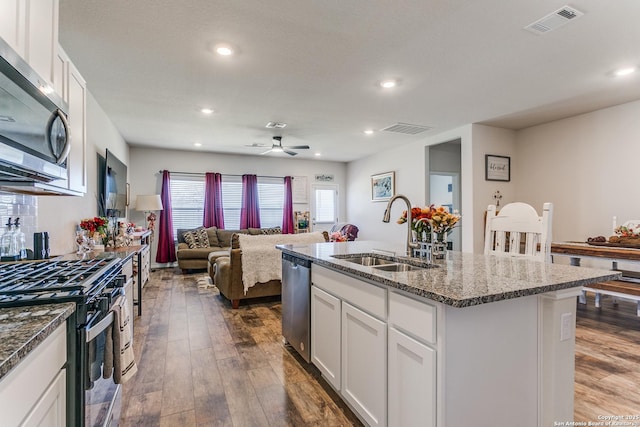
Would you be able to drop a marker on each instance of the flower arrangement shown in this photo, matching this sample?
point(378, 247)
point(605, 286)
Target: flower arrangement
point(419, 219)
point(442, 221)
point(97, 224)
point(431, 219)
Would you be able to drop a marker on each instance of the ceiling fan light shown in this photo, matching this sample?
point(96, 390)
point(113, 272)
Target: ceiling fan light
point(277, 149)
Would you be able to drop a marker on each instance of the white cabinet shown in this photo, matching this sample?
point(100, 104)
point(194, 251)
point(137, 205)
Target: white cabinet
point(13, 24)
point(76, 162)
point(34, 392)
point(72, 88)
point(412, 362)
point(349, 340)
point(42, 37)
point(50, 410)
point(30, 27)
point(364, 364)
point(325, 335)
point(412, 382)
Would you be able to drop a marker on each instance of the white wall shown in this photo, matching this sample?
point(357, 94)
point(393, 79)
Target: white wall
point(587, 166)
point(488, 140)
point(147, 162)
point(59, 215)
point(408, 162)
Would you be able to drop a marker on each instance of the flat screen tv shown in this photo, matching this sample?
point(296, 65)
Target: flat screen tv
point(115, 187)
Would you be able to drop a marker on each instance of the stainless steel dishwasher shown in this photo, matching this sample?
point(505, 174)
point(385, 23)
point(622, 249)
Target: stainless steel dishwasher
point(296, 304)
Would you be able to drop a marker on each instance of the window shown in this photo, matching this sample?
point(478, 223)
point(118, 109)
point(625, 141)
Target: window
point(271, 200)
point(187, 201)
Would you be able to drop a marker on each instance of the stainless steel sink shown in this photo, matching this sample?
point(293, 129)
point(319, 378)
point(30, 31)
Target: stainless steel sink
point(369, 260)
point(380, 263)
point(398, 267)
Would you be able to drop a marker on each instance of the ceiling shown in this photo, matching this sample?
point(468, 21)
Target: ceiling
point(316, 65)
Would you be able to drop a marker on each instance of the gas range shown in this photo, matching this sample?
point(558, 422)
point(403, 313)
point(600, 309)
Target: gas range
point(45, 282)
point(93, 285)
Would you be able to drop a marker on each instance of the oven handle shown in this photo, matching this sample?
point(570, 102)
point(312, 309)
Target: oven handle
point(99, 327)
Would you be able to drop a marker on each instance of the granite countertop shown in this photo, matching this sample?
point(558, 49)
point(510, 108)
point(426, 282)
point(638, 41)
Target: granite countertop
point(460, 280)
point(123, 253)
point(23, 328)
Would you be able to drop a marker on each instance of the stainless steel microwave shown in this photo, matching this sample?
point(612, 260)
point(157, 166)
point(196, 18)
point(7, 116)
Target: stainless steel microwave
point(34, 135)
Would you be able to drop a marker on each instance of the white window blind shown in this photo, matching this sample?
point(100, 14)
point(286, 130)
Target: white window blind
point(271, 200)
point(187, 201)
point(325, 209)
point(231, 201)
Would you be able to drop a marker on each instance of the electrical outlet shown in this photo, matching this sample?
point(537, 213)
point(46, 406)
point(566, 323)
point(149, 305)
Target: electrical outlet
point(566, 326)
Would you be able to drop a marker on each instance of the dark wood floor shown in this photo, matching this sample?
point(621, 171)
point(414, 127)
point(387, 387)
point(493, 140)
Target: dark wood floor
point(202, 364)
point(607, 361)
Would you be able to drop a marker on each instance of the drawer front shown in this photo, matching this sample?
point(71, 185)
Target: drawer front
point(412, 316)
point(366, 296)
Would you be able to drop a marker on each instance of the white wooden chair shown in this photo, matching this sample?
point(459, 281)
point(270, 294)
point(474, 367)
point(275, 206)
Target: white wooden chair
point(518, 231)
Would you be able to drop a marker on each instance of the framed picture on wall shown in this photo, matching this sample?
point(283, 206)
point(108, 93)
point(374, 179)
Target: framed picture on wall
point(497, 168)
point(383, 186)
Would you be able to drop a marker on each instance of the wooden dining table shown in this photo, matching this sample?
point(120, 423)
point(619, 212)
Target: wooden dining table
point(628, 287)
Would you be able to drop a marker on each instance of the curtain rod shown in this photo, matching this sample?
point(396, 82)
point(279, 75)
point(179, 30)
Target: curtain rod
point(223, 174)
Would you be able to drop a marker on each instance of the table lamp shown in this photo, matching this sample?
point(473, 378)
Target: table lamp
point(149, 204)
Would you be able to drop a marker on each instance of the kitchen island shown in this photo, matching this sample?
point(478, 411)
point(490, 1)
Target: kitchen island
point(472, 340)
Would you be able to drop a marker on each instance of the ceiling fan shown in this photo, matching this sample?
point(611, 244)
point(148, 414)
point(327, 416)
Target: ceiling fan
point(277, 147)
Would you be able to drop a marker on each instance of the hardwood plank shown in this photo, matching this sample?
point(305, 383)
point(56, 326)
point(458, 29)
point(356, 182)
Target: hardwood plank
point(210, 399)
point(177, 390)
point(182, 419)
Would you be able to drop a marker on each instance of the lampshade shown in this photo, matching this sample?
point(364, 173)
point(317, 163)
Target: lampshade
point(149, 203)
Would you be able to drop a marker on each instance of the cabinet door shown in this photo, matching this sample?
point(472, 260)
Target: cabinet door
point(13, 22)
point(50, 411)
point(61, 74)
point(325, 335)
point(42, 37)
point(78, 130)
point(412, 382)
point(364, 364)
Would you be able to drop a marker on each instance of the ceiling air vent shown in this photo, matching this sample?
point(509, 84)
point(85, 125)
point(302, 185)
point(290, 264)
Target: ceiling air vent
point(275, 125)
point(407, 128)
point(554, 20)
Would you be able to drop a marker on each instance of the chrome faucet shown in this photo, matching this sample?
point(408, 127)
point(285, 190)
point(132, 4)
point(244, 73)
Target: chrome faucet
point(387, 218)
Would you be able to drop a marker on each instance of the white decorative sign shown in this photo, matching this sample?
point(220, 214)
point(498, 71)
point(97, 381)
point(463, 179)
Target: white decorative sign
point(323, 177)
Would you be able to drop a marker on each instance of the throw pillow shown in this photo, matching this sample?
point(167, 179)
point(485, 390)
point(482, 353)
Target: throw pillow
point(272, 230)
point(197, 238)
point(203, 237)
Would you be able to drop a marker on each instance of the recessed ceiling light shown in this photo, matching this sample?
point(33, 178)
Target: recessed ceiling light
point(318, 154)
point(388, 84)
point(197, 144)
point(224, 50)
point(206, 111)
point(624, 71)
point(368, 132)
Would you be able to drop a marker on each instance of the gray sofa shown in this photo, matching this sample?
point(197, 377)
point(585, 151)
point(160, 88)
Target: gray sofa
point(219, 245)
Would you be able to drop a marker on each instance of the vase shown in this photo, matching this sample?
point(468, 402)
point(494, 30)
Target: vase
point(439, 245)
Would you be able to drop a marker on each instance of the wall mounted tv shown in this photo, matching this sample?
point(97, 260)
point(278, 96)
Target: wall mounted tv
point(116, 189)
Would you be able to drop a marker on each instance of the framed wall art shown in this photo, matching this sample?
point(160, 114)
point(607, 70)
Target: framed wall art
point(383, 186)
point(497, 168)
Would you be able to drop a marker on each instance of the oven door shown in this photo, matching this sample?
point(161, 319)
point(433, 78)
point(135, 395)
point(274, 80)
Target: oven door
point(102, 395)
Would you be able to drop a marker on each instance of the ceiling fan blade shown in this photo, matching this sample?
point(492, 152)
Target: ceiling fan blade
point(291, 153)
point(267, 152)
point(255, 144)
point(296, 147)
